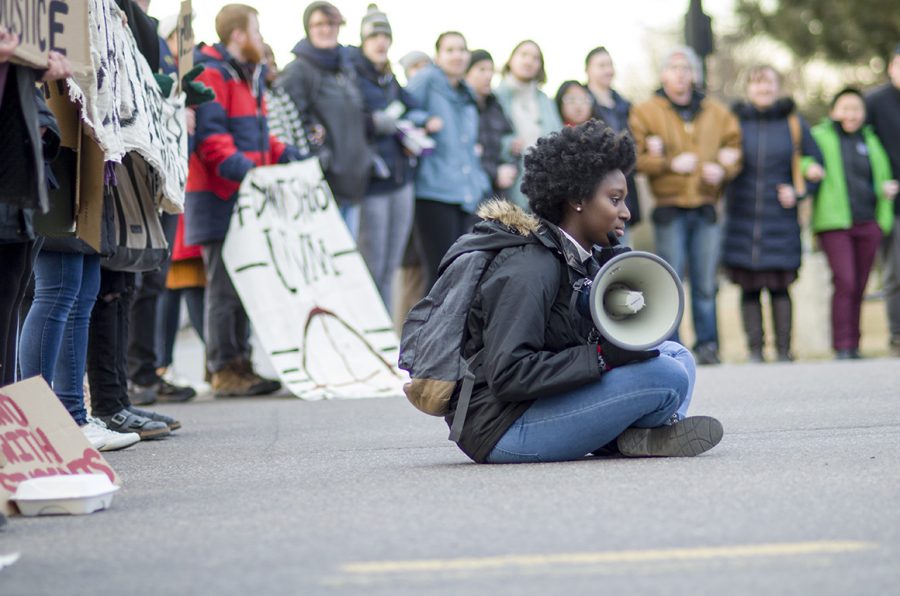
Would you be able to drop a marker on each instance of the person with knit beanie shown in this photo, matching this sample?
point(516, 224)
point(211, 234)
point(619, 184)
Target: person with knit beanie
point(494, 126)
point(386, 216)
point(321, 82)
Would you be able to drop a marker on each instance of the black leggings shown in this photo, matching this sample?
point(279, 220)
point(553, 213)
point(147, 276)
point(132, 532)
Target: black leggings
point(439, 225)
point(16, 263)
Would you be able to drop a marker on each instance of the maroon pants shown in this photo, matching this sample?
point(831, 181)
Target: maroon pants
point(851, 254)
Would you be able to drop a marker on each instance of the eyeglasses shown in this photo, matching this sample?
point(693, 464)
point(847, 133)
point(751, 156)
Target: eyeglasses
point(325, 25)
point(576, 101)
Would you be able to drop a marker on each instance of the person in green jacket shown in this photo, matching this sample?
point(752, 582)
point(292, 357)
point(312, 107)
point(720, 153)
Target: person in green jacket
point(530, 111)
point(852, 210)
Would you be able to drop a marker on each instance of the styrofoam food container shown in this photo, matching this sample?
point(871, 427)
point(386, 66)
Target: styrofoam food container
point(75, 494)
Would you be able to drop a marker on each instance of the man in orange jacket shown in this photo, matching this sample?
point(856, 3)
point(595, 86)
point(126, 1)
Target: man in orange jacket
point(689, 147)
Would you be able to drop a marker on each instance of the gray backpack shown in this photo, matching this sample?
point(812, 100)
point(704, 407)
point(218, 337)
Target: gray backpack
point(433, 336)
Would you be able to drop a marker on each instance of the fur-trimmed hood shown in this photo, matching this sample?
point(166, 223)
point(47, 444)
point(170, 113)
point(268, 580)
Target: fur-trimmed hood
point(504, 225)
point(510, 215)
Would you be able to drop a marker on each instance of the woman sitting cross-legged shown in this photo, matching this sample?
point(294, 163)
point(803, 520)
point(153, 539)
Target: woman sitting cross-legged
point(551, 388)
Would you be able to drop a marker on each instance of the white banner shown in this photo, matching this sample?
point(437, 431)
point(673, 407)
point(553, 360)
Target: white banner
point(306, 288)
point(123, 105)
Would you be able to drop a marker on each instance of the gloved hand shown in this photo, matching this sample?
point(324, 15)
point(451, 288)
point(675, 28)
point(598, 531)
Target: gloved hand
point(196, 92)
point(165, 83)
point(612, 356)
point(613, 250)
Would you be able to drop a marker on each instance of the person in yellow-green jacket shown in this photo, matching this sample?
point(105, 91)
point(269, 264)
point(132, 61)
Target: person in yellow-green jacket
point(852, 210)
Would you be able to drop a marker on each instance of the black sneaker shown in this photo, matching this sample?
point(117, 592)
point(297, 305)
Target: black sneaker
point(141, 395)
point(157, 417)
point(167, 392)
point(126, 421)
point(692, 436)
point(707, 353)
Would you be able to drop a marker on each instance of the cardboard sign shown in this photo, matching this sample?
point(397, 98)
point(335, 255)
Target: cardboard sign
point(89, 166)
point(44, 25)
point(69, 32)
point(39, 438)
point(184, 37)
point(307, 290)
point(31, 22)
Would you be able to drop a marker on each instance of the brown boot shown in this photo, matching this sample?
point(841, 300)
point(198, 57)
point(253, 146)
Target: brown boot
point(234, 381)
point(262, 385)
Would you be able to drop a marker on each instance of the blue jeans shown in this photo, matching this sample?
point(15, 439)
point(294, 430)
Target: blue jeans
point(570, 425)
point(55, 334)
point(350, 212)
point(692, 240)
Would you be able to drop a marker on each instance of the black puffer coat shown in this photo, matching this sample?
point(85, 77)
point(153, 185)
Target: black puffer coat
point(534, 344)
point(760, 234)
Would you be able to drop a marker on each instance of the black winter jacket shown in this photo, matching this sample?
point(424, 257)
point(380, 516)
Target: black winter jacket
point(379, 90)
point(493, 127)
point(535, 344)
point(760, 234)
point(24, 175)
point(883, 111)
point(332, 99)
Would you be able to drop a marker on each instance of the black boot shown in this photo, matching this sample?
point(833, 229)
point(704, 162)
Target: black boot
point(782, 315)
point(751, 314)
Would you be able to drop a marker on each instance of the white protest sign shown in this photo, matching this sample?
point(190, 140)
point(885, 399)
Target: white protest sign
point(306, 289)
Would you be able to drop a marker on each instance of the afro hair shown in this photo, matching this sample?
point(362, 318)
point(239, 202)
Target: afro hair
point(569, 165)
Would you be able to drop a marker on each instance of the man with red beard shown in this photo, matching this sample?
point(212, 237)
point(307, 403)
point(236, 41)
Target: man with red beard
point(232, 137)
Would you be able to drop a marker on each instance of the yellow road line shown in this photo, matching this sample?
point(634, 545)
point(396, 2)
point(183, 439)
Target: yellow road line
point(610, 557)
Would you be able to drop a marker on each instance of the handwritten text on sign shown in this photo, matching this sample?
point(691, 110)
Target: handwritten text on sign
point(306, 288)
point(39, 438)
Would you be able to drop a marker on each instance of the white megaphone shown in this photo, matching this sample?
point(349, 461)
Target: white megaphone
point(637, 300)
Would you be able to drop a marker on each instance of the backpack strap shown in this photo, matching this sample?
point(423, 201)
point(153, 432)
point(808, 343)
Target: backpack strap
point(797, 154)
point(465, 395)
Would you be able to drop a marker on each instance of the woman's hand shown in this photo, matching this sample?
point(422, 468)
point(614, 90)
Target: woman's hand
point(58, 67)
point(8, 44)
point(613, 356)
point(815, 173)
point(786, 196)
point(890, 188)
point(434, 125)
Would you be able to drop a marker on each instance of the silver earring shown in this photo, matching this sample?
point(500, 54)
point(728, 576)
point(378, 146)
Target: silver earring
point(578, 209)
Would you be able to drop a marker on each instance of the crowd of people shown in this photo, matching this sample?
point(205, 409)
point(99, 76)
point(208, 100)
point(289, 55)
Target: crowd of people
point(408, 168)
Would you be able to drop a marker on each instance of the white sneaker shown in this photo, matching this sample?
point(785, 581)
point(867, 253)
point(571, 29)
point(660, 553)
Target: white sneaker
point(104, 439)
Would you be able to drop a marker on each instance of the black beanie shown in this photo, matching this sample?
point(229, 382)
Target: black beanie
point(477, 56)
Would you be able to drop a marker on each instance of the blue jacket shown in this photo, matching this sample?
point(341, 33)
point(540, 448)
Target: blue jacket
point(760, 234)
point(379, 91)
point(452, 173)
